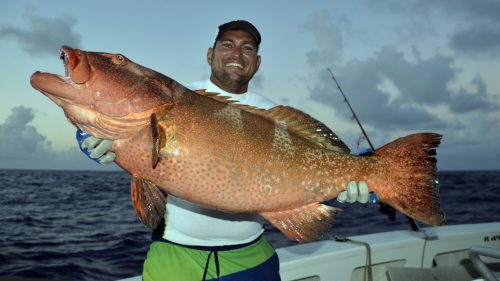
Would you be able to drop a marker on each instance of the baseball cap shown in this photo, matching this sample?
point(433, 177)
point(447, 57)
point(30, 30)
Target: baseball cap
point(239, 24)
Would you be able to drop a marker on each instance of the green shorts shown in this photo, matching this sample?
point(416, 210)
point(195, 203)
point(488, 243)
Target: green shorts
point(166, 260)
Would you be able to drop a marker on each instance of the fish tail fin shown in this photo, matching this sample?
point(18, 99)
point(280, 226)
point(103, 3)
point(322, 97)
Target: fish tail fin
point(411, 177)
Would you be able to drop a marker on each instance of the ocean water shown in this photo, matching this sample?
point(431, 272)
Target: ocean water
point(80, 225)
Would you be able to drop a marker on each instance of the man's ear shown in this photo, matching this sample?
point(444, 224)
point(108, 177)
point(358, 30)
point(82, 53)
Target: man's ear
point(258, 62)
point(210, 53)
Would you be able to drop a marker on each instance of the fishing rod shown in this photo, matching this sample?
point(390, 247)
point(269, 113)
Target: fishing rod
point(352, 110)
point(384, 208)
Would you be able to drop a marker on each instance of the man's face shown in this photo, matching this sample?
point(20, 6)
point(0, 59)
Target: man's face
point(234, 60)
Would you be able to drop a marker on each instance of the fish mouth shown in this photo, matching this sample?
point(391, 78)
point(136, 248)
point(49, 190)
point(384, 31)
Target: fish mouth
point(76, 65)
point(76, 71)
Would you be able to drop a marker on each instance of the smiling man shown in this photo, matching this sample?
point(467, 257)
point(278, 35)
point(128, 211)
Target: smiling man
point(234, 59)
point(200, 243)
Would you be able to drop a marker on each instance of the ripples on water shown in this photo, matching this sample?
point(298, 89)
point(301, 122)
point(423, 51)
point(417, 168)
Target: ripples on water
point(70, 225)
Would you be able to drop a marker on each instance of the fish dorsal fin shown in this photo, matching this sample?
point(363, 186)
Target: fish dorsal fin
point(306, 126)
point(215, 96)
point(295, 120)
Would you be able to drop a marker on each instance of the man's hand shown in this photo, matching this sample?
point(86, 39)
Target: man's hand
point(96, 149)
point(356, 192)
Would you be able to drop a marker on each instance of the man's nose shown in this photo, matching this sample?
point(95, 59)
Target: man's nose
point(237, 51)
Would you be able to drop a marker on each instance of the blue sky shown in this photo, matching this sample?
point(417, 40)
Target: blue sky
point(406, 67)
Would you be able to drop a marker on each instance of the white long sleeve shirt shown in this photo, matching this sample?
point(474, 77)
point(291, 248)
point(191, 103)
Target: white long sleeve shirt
point(190, 224)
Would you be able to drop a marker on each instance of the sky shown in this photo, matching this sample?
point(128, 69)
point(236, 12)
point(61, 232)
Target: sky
point(405, 67)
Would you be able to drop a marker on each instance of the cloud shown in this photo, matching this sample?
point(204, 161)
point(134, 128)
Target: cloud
point(18, 139)
point(23, 147)
point(417, 85)
point(463, 101)
point(320, 24)
point(476, 31)
point(478, 34)
point(469, 10)
point(360, 81)
point(395, 94)
point(43, 35)
point(465, 9)
point(477, 40)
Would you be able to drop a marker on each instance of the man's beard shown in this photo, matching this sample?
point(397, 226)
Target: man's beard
point(234, 79)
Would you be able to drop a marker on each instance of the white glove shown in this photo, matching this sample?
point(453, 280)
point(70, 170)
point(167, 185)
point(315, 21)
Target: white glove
point(355, 193)
point(99, 149)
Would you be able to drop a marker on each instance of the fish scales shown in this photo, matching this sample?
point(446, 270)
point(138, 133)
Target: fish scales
point(245, 160)
point(198, 146)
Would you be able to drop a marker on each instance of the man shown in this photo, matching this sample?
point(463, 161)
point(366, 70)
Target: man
point(203, 244)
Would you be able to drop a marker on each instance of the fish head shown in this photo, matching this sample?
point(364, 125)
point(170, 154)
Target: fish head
point(104, 94)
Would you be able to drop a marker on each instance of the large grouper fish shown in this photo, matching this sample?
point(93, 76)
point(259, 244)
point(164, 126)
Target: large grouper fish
point(280, 163)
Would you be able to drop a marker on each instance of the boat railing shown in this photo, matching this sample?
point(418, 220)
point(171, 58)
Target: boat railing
point(491, 252)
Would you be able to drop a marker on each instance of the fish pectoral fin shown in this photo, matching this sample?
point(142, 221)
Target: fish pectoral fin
point(149, 202)
point(163, 133)
point(304, 224)
point(158, 136)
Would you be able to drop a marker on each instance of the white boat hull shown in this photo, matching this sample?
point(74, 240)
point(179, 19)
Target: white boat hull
point(446, 246)
point(434, 253)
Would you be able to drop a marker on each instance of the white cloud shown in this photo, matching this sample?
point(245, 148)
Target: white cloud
point(23, 147)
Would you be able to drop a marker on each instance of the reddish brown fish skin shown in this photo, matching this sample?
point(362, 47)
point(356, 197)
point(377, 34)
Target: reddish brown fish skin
point(213, 172)
point(225, 158)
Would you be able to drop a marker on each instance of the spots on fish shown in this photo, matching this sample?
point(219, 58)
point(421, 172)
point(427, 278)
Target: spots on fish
point(231, 114)
point(266, 189)
point(282, 139)
point(243, 169)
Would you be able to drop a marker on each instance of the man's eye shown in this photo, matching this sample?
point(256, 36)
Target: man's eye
point(248, 48)
point(227, 45)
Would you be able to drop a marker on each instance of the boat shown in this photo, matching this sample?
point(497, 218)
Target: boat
point(452, 253)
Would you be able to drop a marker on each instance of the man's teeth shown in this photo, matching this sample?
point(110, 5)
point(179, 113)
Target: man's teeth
point(234, 64)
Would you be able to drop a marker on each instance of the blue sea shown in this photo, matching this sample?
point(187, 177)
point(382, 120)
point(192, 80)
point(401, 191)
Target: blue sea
point(80, 225)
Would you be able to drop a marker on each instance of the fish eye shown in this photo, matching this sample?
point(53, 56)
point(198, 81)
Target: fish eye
point(118, 59)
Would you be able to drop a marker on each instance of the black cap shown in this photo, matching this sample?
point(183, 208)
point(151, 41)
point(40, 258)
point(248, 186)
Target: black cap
point(240, 24)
